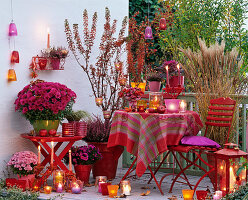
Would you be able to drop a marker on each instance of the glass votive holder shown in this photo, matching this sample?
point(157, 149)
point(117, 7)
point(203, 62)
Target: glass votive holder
point(106, 114)
point(141, 105)
point(47, 189)
point(58, 177)
point(155, 99)
point(76, 187)
point(113, 190)
point(99, 181)
point(104, 188)
point(125, 187)
point(172, 105)
point(201, 194)
point(99, 101)
point(59, 187)
point(183, 106)
point(188, 194)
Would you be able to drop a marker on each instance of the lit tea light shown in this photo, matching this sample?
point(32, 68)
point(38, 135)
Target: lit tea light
point(59, 188)
point(112, 190)
point(188, 194)
point(47, 189)
point(76, 189)
point(125, 187)
point(99, 101)
point(106, 114)
point(99, 181)
point(219, 193)
point(183, 106)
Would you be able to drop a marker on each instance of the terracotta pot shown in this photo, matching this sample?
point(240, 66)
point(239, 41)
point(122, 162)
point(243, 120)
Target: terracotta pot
point(45, 124)
point(174, 81)
point(107, 166)
point(28, 178)
point(83, 172)
point(154, 86)
point(55, 62)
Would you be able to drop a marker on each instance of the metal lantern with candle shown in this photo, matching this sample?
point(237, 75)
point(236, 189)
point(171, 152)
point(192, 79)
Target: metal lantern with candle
point(125, 187)
point(59, 179)
point(99, 181)
point(155, 100)
point(228, 177)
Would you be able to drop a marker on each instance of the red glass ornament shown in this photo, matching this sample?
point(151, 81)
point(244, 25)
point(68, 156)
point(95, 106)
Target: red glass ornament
point(12, 29)
point(14, 57)
point(162, 24)
point(148, 33)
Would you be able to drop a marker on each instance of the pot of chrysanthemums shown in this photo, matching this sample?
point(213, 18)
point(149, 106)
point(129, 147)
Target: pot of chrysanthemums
point(154, 79)
point(78, 119)
point(44, 104)
point(83, 158)
point(97, 135)
point(23, 163)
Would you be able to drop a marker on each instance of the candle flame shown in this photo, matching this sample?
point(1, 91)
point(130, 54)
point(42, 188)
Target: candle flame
point(59, 185)
point(178, 66)
point(167, 67)
point(70, 151)
point(156, 98)
point(48, 30)
point(52, 143)
point(39, 148)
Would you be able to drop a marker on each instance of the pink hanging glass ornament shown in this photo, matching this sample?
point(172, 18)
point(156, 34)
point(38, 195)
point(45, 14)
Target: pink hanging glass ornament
point(148, 33)
point(162, 24)
point(12, 29)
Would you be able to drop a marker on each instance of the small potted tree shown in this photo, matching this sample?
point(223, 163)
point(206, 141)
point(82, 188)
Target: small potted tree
point(97, 135)
point(155, 80)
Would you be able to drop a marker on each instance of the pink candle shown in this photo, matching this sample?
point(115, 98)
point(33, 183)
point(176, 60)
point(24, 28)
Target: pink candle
point(167, 75)
point(52, 154)
point(179, 75)
point(38, 154)
point(48, 38)
point(70, 163)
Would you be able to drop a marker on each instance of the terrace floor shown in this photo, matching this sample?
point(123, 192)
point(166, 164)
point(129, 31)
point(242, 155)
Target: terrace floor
point(137, 184)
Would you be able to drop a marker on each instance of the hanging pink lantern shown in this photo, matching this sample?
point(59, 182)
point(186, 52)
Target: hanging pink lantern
point(12, 29)
point(148, 33)
point(14, 57)
point(162, 24)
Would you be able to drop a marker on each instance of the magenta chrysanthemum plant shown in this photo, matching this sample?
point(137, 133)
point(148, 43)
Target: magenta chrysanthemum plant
point(22, 163)
point(84, 155)
point(44, 101)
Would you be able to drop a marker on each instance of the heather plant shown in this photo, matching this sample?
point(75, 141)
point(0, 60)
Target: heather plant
point(214, 73)
point(102, 74)
point(22, 163)
point(154, 76)
point(84, 155)
point(44, 101)
point(97, 130)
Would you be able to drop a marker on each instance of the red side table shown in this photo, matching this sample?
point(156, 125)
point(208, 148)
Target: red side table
point(46, 150)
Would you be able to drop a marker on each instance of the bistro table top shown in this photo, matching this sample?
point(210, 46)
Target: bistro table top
point(146, 135)
point(50, 139)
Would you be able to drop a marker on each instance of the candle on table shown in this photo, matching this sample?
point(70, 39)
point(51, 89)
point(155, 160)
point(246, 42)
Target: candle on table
point(216, 197)
point(47, 189)
point(112, 190)
point(183, 106)
point(104, 188)
point(188, 194)
point(99, 186)
point(179, 75)
point(59, 177)
point(76, 189)
point(38, 154)
point(126, 189)
point(59, 188)
point(219, 193)
point(52, 154)
point(48, 38)
point(70, 162)
point(167, 75)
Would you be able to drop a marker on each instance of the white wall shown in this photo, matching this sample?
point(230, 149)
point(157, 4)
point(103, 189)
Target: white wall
point(32, 17)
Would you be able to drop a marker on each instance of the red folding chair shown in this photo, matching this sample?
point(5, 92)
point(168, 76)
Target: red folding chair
point(220, 114)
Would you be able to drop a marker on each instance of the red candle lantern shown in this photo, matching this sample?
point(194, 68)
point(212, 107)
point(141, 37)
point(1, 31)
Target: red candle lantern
point(14, 57)
point(227, 165)
point(162, 24)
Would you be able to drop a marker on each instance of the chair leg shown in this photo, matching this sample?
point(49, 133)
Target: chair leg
point(159, 187)
point(128, 171)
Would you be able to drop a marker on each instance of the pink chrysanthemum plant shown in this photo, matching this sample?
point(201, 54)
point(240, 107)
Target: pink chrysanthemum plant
point(42, 100)
point(23, 163)
point(84, 155)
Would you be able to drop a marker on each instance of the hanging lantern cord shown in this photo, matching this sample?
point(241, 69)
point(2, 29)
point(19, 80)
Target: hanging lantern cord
point(11, 11)
point(148, 12)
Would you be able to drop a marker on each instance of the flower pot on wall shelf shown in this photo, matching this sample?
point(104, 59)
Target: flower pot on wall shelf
point(154, 86)
point(174, 81)
point(42, 62)
point(55, 63)
point(45, 124)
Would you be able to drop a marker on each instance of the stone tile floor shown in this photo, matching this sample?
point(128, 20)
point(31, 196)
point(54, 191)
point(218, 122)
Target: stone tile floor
point(137, 184)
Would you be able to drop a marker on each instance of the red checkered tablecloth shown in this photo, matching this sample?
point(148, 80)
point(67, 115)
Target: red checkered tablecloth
point(146, 135)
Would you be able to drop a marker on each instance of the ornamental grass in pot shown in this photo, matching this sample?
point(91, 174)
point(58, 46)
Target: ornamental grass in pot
point(83, 158)
point(97, 135)
point(44, 104)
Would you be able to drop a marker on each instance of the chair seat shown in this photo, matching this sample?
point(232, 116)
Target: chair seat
point(187, 148)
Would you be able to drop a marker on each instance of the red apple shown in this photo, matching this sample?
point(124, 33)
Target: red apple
point(161, 109)
point(52, 132)
point(42, 132)
point(151, 110)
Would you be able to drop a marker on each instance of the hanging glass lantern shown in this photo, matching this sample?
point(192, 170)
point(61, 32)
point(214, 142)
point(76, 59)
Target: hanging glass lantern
point(14, 57)
point(162, 24)
point(11, 75)
point(148, 33)
point(12, 29)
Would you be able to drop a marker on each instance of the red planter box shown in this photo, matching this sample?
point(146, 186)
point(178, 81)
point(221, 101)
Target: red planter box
point(11, 182)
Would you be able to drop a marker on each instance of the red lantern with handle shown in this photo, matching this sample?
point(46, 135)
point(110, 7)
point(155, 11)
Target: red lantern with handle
point(14, 57)
point(229, 176)
point(162, 24)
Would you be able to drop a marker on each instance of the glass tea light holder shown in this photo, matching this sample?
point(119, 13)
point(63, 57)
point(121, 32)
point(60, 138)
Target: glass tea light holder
point(99, 101)
point(141, 105)
point(125, 187)
point(155, 100)
point(113, 190)
point(172, 105)
point(59, 187)
point(76, 187)
point(188, 194)
point(99, 181)
point(58, 177)
point(47, 189)
point(106, 114)
point(201, 194)
point(183, 106)
point(104, 188)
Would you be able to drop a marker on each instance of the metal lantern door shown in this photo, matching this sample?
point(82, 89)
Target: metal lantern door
point(227, 164)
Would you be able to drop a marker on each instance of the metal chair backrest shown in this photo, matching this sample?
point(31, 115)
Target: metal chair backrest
point(220, 114)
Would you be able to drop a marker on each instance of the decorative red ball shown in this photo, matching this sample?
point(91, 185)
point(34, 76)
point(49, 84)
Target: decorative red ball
point(52, 132)
point(43, 132)
point(161, 109)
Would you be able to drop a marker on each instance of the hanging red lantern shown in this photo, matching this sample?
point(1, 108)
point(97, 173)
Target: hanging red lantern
point(14, 57)
point(162, 24)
